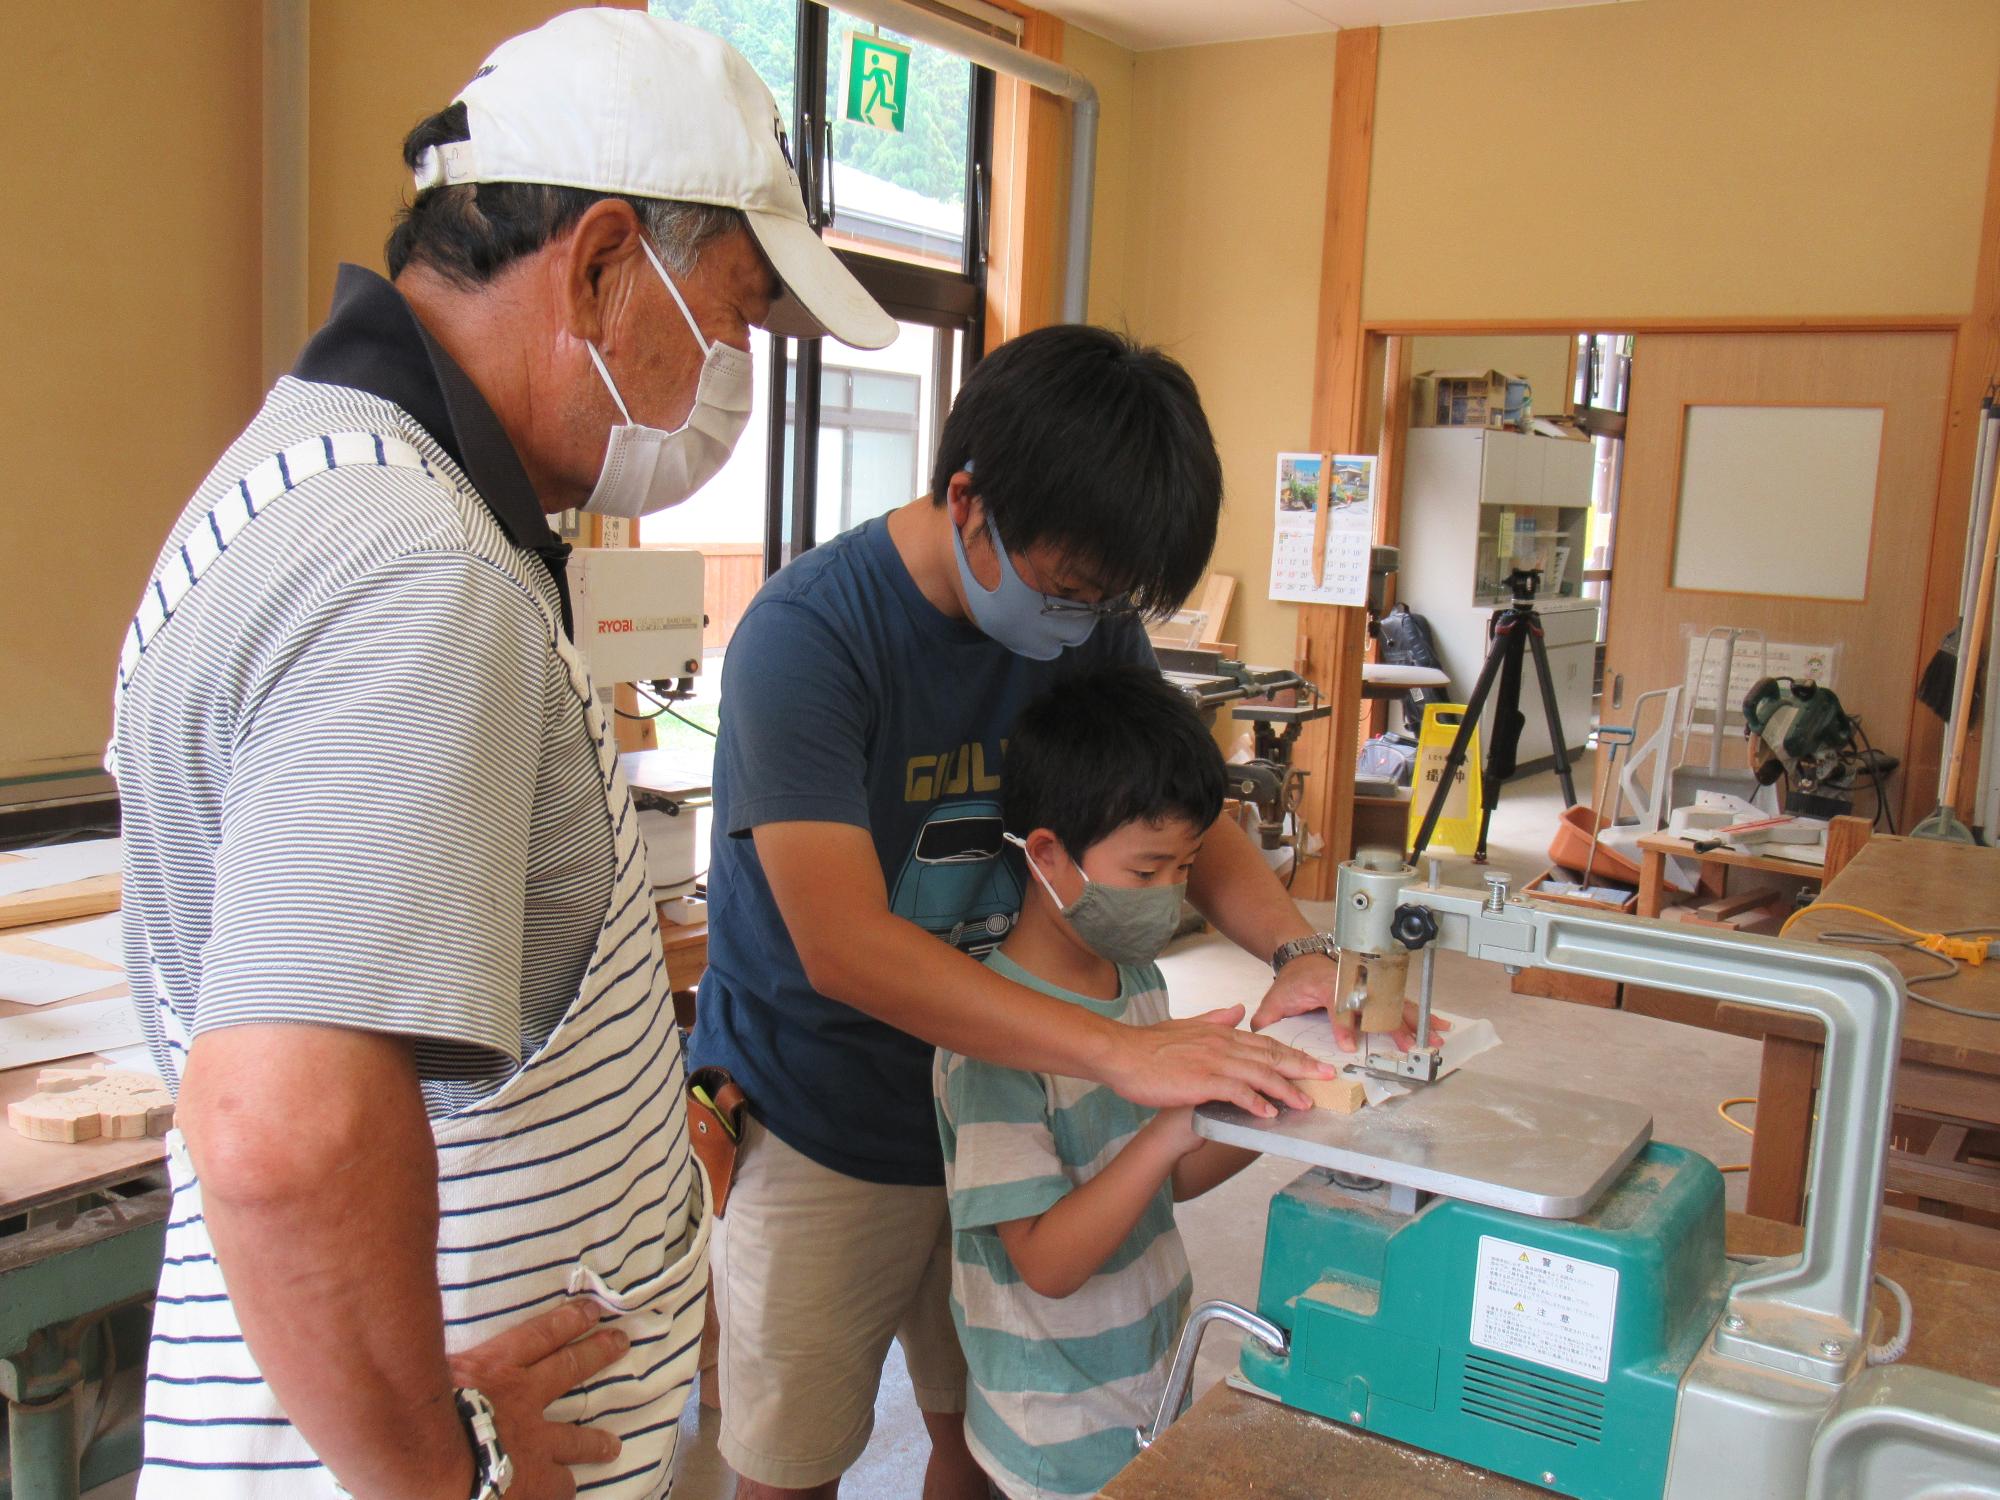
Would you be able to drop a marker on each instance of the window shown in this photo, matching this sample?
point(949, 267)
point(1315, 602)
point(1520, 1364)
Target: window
point(903, 211)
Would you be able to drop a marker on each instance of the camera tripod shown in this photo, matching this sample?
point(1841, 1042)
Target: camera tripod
point(1516, 629)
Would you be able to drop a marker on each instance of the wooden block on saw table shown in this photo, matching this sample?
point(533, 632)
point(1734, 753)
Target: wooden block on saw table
point(82, 1104)
point(62, 1118)
point(1343, 1095)
point(100, 1076)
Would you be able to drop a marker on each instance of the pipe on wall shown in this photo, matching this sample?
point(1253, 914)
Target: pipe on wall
point(285, 159)
point(976, 46)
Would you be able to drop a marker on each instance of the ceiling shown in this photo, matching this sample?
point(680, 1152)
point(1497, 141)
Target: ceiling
point(1143, 25)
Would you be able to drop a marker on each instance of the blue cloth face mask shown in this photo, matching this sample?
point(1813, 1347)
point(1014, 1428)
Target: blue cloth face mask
point(1017, 616)
point(1124, 924)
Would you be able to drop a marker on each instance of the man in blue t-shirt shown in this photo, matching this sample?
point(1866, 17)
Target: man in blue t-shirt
point(858, 873)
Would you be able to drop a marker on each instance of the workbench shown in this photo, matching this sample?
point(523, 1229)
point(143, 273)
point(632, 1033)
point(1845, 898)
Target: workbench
point(1948, 1082)
point(79, 1259)
point(1656, 848)
point(1230, 1444)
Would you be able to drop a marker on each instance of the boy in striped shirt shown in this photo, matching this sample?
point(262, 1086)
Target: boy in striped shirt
point(1069, 1283)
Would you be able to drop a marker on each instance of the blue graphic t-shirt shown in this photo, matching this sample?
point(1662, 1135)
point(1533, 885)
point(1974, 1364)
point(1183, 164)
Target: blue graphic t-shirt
point(848, 698)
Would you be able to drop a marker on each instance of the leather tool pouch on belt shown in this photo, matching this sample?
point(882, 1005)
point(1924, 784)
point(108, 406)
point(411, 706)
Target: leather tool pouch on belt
point(715, 1114)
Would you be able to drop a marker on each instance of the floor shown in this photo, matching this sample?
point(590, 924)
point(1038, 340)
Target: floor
point(1681, 1074)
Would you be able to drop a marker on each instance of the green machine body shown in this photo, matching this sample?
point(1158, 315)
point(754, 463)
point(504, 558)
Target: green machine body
point(1549, 1350)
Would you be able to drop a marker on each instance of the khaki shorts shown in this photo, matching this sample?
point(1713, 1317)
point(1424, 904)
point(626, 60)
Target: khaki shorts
point(814, 1273)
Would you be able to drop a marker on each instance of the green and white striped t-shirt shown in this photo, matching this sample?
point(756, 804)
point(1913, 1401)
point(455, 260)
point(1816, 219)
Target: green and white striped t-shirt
point(1057, 1386)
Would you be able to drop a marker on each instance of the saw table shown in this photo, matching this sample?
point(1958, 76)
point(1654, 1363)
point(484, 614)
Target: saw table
point(1232, 1444)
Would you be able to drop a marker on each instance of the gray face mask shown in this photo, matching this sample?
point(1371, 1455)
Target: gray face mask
point(1124, 924)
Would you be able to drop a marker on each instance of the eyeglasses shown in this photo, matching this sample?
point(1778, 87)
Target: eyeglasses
point(1120, 608)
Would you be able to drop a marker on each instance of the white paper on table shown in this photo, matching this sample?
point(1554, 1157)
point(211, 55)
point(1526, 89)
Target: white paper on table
point(45, 1035)
point(59, 864)
point(43, 981)
point(102, 938)
point(136, 1059)
point(1312, 1033)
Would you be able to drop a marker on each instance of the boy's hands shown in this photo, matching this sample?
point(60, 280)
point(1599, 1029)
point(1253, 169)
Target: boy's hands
point(1308, 983)
point(1174, 1063)
point(1174, 1128)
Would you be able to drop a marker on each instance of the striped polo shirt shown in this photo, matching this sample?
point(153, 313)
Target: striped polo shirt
point(1056, 1386)
point(357, 789)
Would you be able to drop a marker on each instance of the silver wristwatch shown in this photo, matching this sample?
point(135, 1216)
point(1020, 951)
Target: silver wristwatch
point(1319, 942)
point(493, 1470)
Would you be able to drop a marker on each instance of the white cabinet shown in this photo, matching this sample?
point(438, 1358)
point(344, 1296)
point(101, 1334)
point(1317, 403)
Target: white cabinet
point(1475, 500)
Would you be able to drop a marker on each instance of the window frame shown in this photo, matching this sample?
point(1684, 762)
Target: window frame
point(908, 292)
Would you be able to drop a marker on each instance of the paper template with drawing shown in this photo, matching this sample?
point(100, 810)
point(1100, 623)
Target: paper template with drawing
point(1323, 528)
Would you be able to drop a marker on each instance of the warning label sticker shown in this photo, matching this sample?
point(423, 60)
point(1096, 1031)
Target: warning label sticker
point(1546, 1308)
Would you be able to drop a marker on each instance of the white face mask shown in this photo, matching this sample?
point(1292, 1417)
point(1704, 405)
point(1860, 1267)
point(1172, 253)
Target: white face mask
point(647, 469)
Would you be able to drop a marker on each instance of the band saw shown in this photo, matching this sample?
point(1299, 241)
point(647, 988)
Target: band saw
point(1522, 1279)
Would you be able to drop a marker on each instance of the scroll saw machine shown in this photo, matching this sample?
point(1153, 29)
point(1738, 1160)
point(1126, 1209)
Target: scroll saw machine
point(1521, 1279)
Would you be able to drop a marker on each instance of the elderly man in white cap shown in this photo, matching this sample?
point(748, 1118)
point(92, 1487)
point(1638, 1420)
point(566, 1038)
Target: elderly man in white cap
point(436, 1230)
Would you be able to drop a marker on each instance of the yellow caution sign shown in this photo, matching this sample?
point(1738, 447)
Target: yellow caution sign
point(1458, 823)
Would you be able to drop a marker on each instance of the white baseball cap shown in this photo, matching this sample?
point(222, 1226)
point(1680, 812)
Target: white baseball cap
point(618, 101)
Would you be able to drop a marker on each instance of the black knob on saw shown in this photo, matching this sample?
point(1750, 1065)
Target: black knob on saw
point(1414, 925)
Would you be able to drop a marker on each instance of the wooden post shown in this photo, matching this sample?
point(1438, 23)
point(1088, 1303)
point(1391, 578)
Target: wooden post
point(1783, 1138)
point(1030, 176)
point(1331, 639)
point(1975, 362)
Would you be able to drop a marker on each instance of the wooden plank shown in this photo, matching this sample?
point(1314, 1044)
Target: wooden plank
point(1844, 838)
point(1778, 1150)
point(1975, 361)
point(1935, 887)
point(61, 903)
point(1652, 882)
point(1331, 640)
point(1232, 1444)
point(1947, 1239)
point(1578, 989)
point(1964, 1183)
point(1964, 1092)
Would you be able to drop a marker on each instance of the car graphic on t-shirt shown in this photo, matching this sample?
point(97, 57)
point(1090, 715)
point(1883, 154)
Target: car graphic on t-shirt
point(958, 883)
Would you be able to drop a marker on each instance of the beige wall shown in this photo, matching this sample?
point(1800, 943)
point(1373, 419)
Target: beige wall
point(1776, 158)
point(1222, 262)
point(1753, 157)
point(132, 312)
point(1114, 73)
point(365, 98)
point(129, 296)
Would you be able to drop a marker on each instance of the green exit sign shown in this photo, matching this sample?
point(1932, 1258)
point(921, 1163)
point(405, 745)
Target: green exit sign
point(878, 82)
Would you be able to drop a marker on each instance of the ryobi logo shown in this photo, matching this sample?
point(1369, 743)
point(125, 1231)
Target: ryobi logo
point(647, 624)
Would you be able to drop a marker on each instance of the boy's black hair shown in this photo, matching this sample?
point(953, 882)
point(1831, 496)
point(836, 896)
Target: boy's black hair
point(1103, 748)
point(1081, 438)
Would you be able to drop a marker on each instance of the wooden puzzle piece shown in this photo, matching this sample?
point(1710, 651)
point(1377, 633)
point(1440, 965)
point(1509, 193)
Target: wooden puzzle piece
point(84, 1104)
point(66, 1118)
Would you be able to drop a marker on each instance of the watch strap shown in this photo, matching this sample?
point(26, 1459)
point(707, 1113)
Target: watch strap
point(1319, 942)
point(493, 1473)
